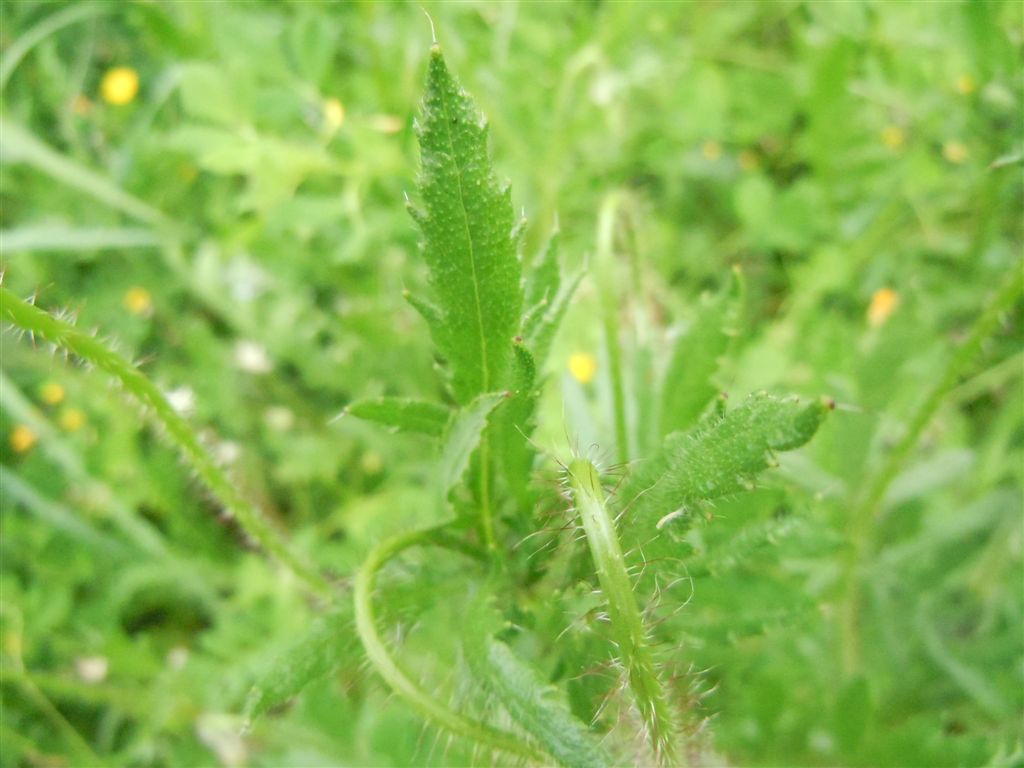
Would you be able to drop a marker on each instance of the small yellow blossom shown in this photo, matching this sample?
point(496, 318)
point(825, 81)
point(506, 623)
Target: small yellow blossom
point(583, 367)
point(955, 152)
point(71, 419)
point(22, 439)
point(119, 86)
point(893, 137)
point(51, 393)
point(883, 304)
point(137, 300)
point(965, 85)
point(187, 172)
point(334, 115)
point(748, 160)
point(711, 150)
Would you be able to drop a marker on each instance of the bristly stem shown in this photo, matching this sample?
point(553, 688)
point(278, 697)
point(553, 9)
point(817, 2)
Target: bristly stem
point(61, 334)
point(867, 510)
point(387, 667)
point(626, 621)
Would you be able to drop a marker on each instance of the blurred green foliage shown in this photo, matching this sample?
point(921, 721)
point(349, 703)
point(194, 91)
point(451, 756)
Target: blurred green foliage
point(237, 227)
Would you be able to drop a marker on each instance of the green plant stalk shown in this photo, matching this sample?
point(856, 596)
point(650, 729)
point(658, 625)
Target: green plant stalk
point(61, 334)
point(610, 321)
point(623, 612)
point(394, 676)
point(867, 510)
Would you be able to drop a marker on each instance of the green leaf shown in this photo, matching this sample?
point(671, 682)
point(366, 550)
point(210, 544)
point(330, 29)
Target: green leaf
point(688, 386)
point(468, 241)
point(462, 438)
point(328, 644)
point(718, 458)
point(542, 283)
point(403, 414)
point(527, 696)
point(512, 426)
point(544, 325)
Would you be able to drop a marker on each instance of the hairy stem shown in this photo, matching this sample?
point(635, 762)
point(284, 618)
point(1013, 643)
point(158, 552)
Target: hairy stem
point(387, 667)
point(64, 336)
point(866, 512)
point(623, 612)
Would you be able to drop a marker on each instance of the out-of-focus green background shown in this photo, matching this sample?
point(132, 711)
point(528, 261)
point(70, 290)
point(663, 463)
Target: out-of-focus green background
point(218, 189)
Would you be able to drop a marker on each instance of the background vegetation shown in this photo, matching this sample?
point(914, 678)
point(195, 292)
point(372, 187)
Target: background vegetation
point(218, 190)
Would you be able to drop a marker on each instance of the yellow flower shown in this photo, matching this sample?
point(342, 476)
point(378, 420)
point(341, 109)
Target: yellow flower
point(22, 439)
point(583, 367)
point(119, 86)
point(51, 393)
point(748, 160)
point(965, 85)
point(334, 115)
point(893, 137)
point(711, 150)
point(71, 419)
point(137, 300)
point(955, 152)
point(883, 304)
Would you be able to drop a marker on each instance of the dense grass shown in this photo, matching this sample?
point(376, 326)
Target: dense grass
point(812, 199)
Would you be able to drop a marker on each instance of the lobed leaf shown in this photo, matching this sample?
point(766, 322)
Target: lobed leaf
point(462, 438)
point(468, 239)
point(688, 387)
point(718, 458)
point(403, 414)
point(326, 646)
point(527, 697)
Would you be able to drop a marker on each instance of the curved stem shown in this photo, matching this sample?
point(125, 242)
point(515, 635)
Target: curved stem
point(35, 321)
point(387, 667)
point(623, 612)
point(869, 507)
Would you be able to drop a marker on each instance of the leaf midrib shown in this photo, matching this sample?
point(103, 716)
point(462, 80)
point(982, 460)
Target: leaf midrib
point(469, 239)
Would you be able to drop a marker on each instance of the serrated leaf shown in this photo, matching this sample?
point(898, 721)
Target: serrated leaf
point(719, 458)
point(513, 425)
point(542, 283)
point(468, 241)
point(326, 646)
point(527, 697)
point(688, 387)
point(404, 414)
point(462, 438)
point(543, 327)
